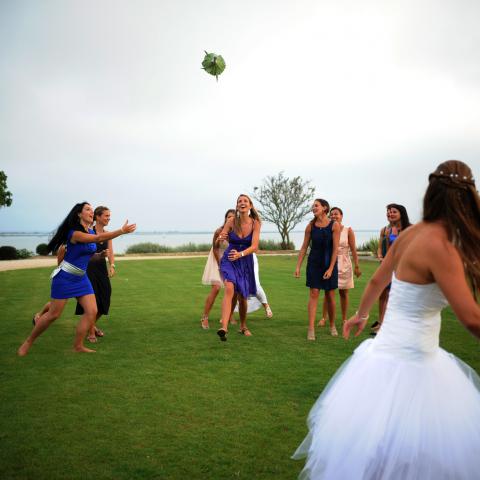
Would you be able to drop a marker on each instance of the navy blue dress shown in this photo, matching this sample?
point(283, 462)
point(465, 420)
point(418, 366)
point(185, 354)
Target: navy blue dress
point(68, 285)
point(321, 249)
point(240, 272)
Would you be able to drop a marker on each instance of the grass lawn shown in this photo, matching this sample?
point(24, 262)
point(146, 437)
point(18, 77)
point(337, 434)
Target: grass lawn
point(161, 398)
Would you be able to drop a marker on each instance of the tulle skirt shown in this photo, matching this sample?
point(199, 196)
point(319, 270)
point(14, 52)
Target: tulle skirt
point(384, 417)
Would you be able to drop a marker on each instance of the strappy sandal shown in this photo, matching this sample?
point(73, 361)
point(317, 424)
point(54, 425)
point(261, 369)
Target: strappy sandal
point(333, 331)
point(245, 331)
point(92, 339)
point(311, 335)
point(321, 323)
point(98, 332)
point(204, 322)
point(222, 334)
point(268, 311)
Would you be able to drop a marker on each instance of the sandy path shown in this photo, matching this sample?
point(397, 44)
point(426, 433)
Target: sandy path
point(39, 262)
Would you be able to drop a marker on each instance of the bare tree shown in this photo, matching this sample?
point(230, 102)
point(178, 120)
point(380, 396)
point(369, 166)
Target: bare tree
point(284, 202)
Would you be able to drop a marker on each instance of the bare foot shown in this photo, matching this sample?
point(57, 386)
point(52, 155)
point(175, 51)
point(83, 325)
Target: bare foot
point(24, 348)
point(82, 349)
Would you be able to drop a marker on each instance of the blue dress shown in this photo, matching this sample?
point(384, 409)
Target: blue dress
point(321, 249)
point(68, 285)
point(240, 272)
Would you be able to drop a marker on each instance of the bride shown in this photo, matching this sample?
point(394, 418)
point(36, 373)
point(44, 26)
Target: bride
point(425, 419)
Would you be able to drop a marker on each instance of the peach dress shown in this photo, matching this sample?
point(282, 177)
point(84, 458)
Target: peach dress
point(345, 270)
point(211, 273)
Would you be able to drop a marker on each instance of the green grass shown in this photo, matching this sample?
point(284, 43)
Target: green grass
point(161, 398)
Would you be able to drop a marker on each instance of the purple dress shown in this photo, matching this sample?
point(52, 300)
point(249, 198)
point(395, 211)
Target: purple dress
point(240, 272)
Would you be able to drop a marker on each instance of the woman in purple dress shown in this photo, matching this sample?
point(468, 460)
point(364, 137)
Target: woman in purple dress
point(236, 266)
point(69, 279)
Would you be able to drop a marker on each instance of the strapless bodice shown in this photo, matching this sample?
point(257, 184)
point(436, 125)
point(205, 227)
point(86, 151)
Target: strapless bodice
point(411, 327)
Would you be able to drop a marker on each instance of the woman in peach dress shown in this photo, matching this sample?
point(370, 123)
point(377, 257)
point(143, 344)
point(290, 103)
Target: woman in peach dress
point(211, 274)
point(345, 268)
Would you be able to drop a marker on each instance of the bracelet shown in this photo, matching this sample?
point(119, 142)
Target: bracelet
point(362, 318)
point(241, 254)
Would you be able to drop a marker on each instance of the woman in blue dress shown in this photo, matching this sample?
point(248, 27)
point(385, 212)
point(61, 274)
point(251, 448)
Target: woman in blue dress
point(323, 236)
point(69, 279)
point(243, 234)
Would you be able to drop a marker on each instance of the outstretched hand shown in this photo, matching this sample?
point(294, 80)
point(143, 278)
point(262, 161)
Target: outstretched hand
point(128, 228)
point(352, 323)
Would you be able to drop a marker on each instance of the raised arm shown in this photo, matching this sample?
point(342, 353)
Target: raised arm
point(303, 250)
point(353, 248)
point(82, 237)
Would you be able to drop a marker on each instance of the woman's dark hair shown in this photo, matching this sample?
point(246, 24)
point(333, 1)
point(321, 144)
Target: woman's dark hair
point(324, 204)
point(453, 199)
point(337, 208)
point(71, 222)
point(227, 213)
point(404, 220)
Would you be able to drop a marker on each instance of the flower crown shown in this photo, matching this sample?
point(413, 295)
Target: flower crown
point(453, 179)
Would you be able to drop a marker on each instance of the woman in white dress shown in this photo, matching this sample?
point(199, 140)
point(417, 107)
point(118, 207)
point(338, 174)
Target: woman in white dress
point(211, 274)
point(425, 424)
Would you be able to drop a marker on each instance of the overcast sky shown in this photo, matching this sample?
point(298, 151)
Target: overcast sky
point(106, 101)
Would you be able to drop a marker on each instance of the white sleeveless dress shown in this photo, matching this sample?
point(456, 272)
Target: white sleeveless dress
point(400, 408)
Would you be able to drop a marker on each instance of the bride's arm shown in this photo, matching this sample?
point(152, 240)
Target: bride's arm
point(449, 274)
point(381, 278)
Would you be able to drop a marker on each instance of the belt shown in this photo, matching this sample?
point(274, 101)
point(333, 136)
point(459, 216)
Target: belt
point(69, 268)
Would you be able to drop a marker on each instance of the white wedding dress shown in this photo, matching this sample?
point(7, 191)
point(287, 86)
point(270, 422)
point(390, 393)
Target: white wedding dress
point(400, 407)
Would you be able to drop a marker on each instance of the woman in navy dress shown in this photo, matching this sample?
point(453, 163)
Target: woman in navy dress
point(69, 279)
point(322, 270)
point(236, 266)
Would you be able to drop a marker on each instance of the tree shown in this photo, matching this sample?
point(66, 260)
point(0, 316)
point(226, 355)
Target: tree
point(284, 202)
point(5, 195)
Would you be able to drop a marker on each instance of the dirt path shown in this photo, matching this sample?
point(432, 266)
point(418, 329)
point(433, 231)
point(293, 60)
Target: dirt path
point(39, 262)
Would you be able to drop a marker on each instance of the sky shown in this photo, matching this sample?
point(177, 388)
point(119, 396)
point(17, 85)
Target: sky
point(105, 101)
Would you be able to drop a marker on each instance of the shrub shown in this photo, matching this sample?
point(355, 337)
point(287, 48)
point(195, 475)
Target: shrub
point(194, 247)
point(148, 247)
point(370, 246)
point(42, 249)
point(8, 253)
point(24, 253)
point(273, 245)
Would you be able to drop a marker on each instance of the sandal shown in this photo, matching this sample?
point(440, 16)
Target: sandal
point(321, 323)
point(311, 335)
point(245, 331)
point(98, 332)
point(374, 324)
point(204, 322)
point(92, 339)
point(333, 331)
point(222, 334)
point(268, 311)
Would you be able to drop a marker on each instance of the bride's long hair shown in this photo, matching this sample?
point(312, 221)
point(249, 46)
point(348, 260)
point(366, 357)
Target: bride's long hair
point(452, 198)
